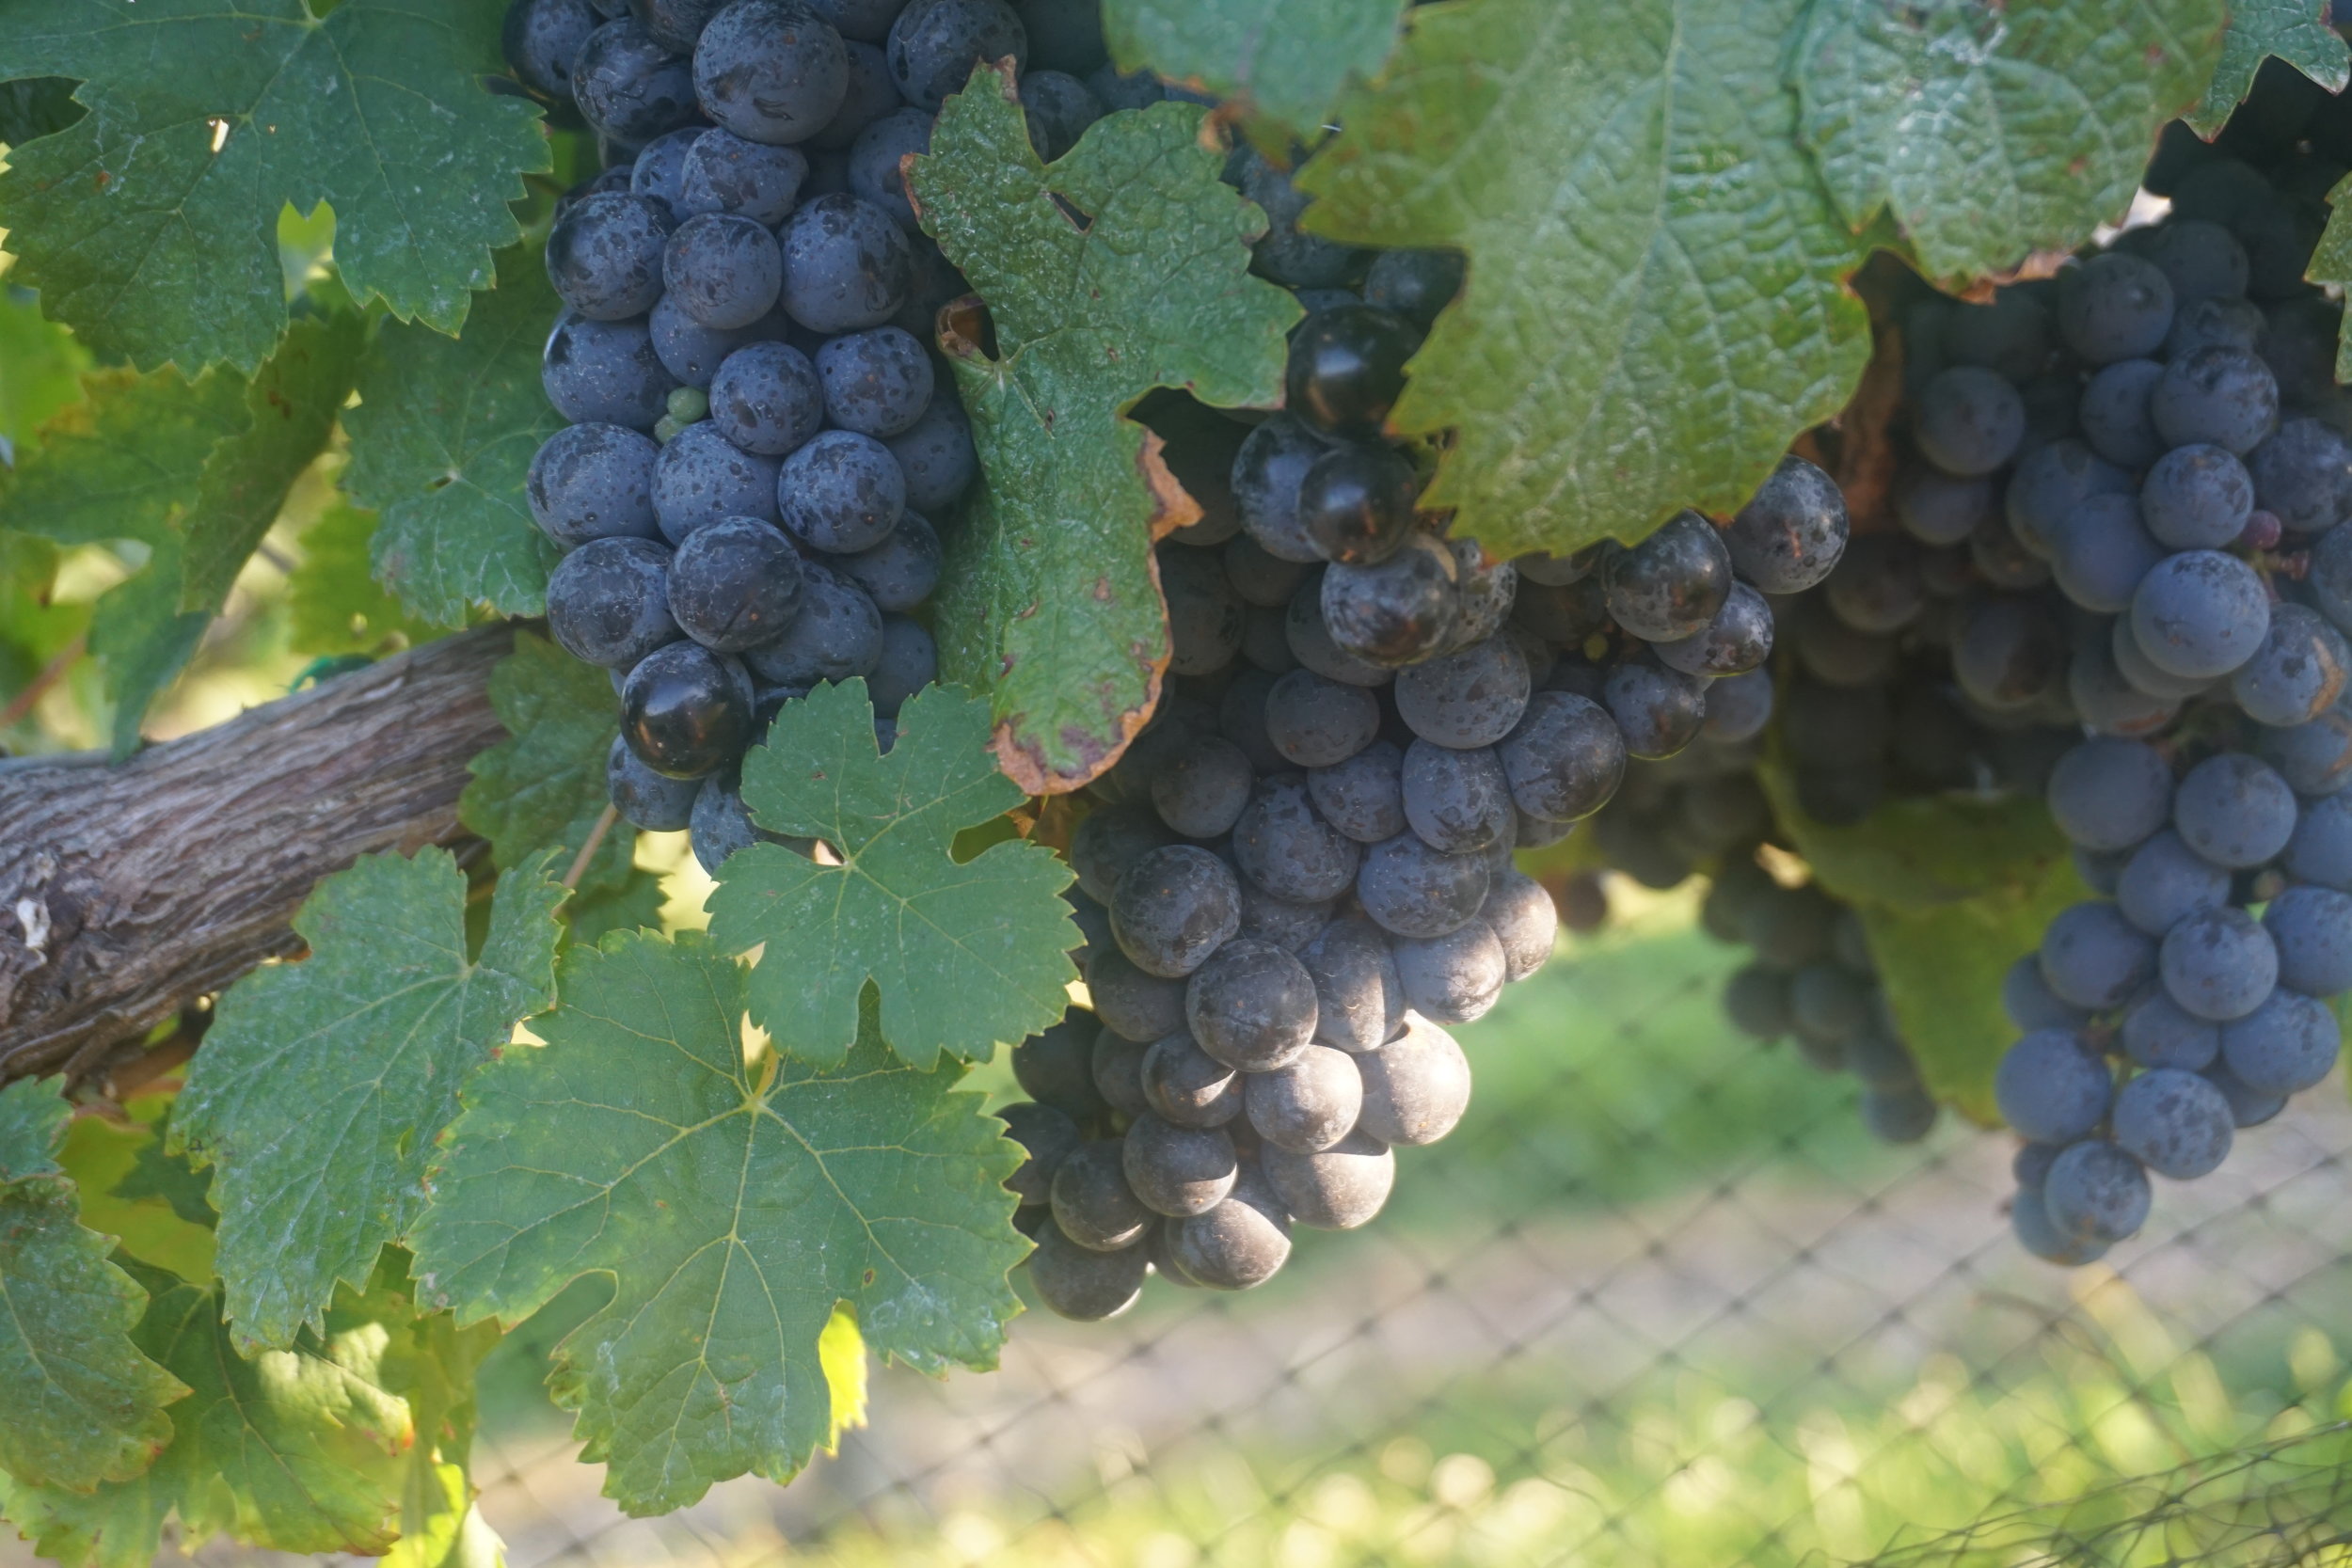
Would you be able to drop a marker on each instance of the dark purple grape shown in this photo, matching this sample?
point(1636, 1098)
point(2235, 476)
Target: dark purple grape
point(1465, 700)
point(1251, 1006)
point(593, 482)
point(1270, 472)
point(1316, 723)
point(845, 265)
point(1308, 641)
point(734, 584)
point(1286, 850)
point(1093, 1206)
point(1132, 1003)
point(686, 711)
point(766, 399)
point(1564, 758)
point(867, 96)
point(1286, 253)
point(1456, 979)
point(1415, 284)
point(604, 373)
point(609, 602)
point(604, 255)
point(2222, 396)
point(1398, 612)
point(1738, 640)
point(1968, 420)
point(1243, 1242)
point(628, 87)
point(1347, 369)
point(1416, 891)
point(725, 173)
point(1048, 1136)
point(841, 492)
point(1355, 503)
point(909, 662)
point(646, 799)
point(1416, 1086)
point(724, 270)
point(2303, 476)
point(899, 572)
point(1178, 1171)
point(1361, 797)
point(1523, 919)
point(935, 455)
point(1173, 907)
point(1791, 532)
point(1457, 801)
point(1308, 1104)
point(661, 167)
point(836, 634)
point(1188, 1087)
point(770, 71)
point(541, 39)
point(701, 477)
point(878, 161)
point(877, 382)
point(1058, 108)
point(2197, 498)
point(1657, 710)
point(1204, 615)
point(935, 43)
point(2115, 415)
point(1084, 1284)
point(1337, 1188)
point(2114, 305)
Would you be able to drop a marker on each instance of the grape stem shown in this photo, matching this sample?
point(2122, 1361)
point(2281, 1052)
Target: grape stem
point(605, 819)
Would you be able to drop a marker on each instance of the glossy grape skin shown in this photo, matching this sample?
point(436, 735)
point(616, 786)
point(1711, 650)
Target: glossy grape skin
point(1672, 583)
point(770, 71)
point(1738, 640)
point(1658, 710)
point(1415, 284)
point(724, 270)
point(1791, 533)
point(1058, 108)
point(1355, 503)
point(841, 492)
point(609, 604)
point(686, 711)
point(877, 382)
point(1204, 614)
point(540, 39)
point(725, 173)
point(766, 400)
point(701, 477)
point(1268, 475)
point(1346, 369)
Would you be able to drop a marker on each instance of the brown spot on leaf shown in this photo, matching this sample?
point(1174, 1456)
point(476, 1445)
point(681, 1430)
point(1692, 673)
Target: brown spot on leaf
point(869, 1277)
point(1172, 506)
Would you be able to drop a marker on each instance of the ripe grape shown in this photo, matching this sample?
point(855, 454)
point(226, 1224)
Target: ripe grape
point(1454, 978)
point(2303, 476)
point(701, 477)
point(1116, 1064)
point(1057, 1068)
point(1358, 1002)
point(2114, 415)
point(935, 455)
point(646, 799)
point(1416, 891)
point(841, 492)
point(1416, 1086)
point(1457, 802)
point(725, 173)
point(934, 44)
point(2052, 1086)
point(593, 482)
point(847, 264)
point(1672, 583)
point(2197, 498)
point(766, 398)
point(604, 373)
point(1524, 921)
point(1738, 640)
point(2282, 1047)
point(2312, 930)
point(1241, 1242)
point(898, 574)
point(2164, 880)
point(628, 87)
point(2320, 849)
point(2101, 552)
point(1968, 420)
point(1173, 907)
point(2220, 395)
point(2297, 673)
point(723, 269)
point(2316, 759)
point(1286, 850)
point(1093, 1206)
point(1363, 796)
point(2235, 810)
point(1268, 475)
point(1395, 613)
point(836, 634)
point(1318, 722)
point(734, 584)
point(1187, 1087)
point(609, 602)
point(685, 710)
point(604, 255)
point(1657, 710)
point(1791, 532)
point(2199, 613)
point(1048, 1137)
point(2114, 305)
point(1251, 1006)
point(1134, 1005)
point(1201, 791)
point(1355, 503)
point(2050, 483)
point(877, 382)
point(1337, 1188)
point(2096, 1192)
point(1177, 1171)
point(2110, 794)
point(1347, 368)
point(2156, 1032)
point(1309, 1103)
point(2218, 963)
point(1085, 1284)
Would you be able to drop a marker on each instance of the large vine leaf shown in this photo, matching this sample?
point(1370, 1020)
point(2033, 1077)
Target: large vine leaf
point(84, 1406)
point(1050, 600)
point(1951, 891)
point(962, 955)
point(149, 1202)
point(1992, 131)
point(2296, 31)
point(305, 1450)
point(322, 1084)
point(149, 225)
point(440, 444)
point(1654, 305)
point(734, 1194)
point(1281, 60)
point(543, 787)
point(2331, 262)
point(122, 461)
point(42, 366)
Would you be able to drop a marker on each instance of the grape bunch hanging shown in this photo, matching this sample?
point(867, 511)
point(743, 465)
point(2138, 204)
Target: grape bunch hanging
point(762, 435)
point(1300, 874)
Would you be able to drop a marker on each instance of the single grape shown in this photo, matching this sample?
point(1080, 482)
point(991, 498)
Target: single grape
point(2312, 930)
point(877, 382)
point(1287, 924)
point(1457, 801)
point(604, 256)
point(2297, 673)
point(1672, 583)
point(836, 635)
point(898, 574)
point(1116, 1064)
point(841, 492)
point(1355, 503)
point(1172, 909)
point(725, 173)
point(2050, 483)
point(1085, 1284)
point(722, 823)
point(2142, 674)
point(2096, 1192)
point(1416, 891)
point(2030, 1222)
point(1048, 1137)
point(1058, 108)
point(540, 39)
point(2303, 475)
point(1657, 710)
point(1201, 790)
point(1308, 639)
point(2235, 810)
point(2249, 1107)
point(660, 169)
point(877, 161)
point(701, 477)
point(1523, 919)
point(1286, 850)
point(2201, 260)
point(1738, 640)
point(1251, 1006)
point(765, 397)
point(2320, 849)
point(1057, 1068)
point(2158, 1032)
point(734, 584)
point(2282, 1047)
point(1337, 1188)
point(1416, 1086)
point(2205, 323)
point(1361, 797)
point(1792, 532)
point(691, 353)
point(1243, 1242)
point(935, 455)
point(2218, 963)
point(1134, 1004)
point(2108, 794)
point(1188, 1087)
point(2220, 395)
point(1094, 1205)
point(593, 482)
point(2101, 552)
point(847, 264)
point(1937, 508)
point(1968, 420)
point(2052, 1086)
point(604, 373)
point(1308, 1104)
point(2199, 613)
point(2092, 958)
point(1738, 708)
point(1398, 612)
point(609, 602)
point(2316, 759)
point(2115, 418)
point(1178, 1171)
point(2114, 305)
point(2164, 880)
point(644, 798)
point(686, 711)
point(724, 270)
point(2105, 702)
point(1318, 722)
point(934, 44)
point(1347, 368)
point(1454, 978)
point(628, 87)
point(1359, 1002)
point(2197, 498)
point(2010, 335)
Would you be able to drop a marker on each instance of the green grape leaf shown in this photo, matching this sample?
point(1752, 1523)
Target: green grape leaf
point(290, 407)
point(142, 640)
point(335, 606)
point(149, 1202)
point(84, 1406)
point(322, 1084)
point(1988, 131)
point(1285, 60)
point(440, 443)
point(1951, 891)
point(1049, 601)
point(2331, 261)
point(149, 225)
point(963, 954)
point(296, 1450)
point(632, 902)
point(543, 787)
point(1654, 307)
point(734, 1195)
point(124, 460)
point(2294, 31)
point(41, 365)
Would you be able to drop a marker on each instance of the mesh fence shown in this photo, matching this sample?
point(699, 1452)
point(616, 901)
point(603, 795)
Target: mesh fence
point(1659, 1301)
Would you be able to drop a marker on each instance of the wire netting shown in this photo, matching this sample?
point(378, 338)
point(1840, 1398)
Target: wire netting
point(1659, 1301)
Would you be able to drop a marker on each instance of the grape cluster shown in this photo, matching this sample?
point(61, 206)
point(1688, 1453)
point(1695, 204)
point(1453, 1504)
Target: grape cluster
point(2136, 473)
point(1300, 873)
point(762, 436)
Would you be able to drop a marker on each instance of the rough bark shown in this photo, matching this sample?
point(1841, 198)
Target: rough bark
point(126, 892)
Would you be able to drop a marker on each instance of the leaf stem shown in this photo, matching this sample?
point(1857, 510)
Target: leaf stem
point(51, 674)
point(587, 851)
